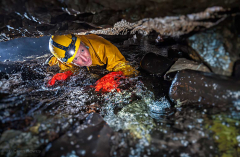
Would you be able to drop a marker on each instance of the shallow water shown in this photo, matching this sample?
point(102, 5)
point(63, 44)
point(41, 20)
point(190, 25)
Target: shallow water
point(140, 120)
point(23, 48)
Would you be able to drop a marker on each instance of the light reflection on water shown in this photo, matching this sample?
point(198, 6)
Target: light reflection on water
point(17, 49)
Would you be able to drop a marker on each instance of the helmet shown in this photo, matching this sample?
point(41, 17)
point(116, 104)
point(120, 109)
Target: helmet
point(64, 47)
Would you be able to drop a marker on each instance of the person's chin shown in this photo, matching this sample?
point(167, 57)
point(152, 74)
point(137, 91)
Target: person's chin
point(88, 65)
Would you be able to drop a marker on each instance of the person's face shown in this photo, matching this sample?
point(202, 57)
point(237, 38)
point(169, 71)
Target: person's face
point(83, 57)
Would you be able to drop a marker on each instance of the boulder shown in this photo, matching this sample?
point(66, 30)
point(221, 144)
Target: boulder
point(236, 69)
point(219, 46)
point(182, 64)
point(89, 139)
point(191, 86)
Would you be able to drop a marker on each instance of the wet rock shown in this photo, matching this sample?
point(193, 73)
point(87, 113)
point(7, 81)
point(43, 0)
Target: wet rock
point(181, 50)
point(211, 48)
point(170, 47)
point(170, 25)
point(191, 86)
point(9, 67)
point(226, 133)
point(89, 139)
point(182, 64)
point(134, 117)
point(157, 109)
point(3, 75)
point(155, 64)
point(51, 128)
point(138, 116)
point(31, 74)
point(28, 71)
point(132, 113)
point(14, 124)
point(219, 47)
point(9, 134)
point(3, 94)
point(17, 143)
point(31, 18)
point(236, 69)
point(8, 84)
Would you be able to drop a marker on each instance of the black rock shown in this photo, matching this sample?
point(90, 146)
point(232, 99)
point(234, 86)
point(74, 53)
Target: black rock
point(156, 64)
point(191, 86)
point(30, 74)
point(9, 67)
point(89, 139)
point(33, 18)
point(236, 69)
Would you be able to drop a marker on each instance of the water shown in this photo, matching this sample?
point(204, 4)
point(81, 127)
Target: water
point(138, 121)
point(19, 49)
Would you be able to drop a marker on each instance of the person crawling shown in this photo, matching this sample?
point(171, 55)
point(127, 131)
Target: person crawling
point(72, 51)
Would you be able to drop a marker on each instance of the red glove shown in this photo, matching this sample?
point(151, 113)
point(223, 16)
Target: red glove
point(109, 82)
point(59, 77)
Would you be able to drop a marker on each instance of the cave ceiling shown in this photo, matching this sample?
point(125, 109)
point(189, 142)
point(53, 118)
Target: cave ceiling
point(24, 18)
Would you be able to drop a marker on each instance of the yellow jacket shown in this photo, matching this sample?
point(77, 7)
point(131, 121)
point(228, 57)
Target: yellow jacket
point(102, 52)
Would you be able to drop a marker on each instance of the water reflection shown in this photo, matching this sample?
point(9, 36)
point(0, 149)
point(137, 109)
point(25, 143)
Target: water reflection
point(17, 49)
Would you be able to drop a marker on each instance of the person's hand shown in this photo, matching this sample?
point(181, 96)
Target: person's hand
point(59, 77)
point(109, 82)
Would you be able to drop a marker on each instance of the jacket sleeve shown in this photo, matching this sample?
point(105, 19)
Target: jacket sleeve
point(127, 69)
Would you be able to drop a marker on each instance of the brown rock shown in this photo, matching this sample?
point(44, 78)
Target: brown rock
point(89, 139)
point(191, 86)
point(182, 64)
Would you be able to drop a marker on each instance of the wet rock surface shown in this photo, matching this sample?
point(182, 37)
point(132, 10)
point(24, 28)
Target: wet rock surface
point(236, 69)
point(34, 19)
point(17, 143)
point(189, 87)
point(9, 68)
point(92, 138)
point(218, 47)
point(182, 64)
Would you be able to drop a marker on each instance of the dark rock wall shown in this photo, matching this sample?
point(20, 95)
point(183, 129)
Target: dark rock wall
point(20, 18)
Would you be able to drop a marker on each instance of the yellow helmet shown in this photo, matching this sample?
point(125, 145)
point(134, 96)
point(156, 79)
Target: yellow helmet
point(64, 47)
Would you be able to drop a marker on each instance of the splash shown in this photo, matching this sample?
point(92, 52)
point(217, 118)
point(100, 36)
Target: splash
point(158, 108)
